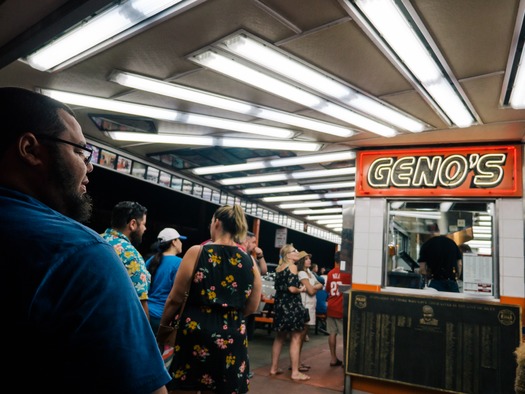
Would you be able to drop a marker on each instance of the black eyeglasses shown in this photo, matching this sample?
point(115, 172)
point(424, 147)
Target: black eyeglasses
point(85, 151)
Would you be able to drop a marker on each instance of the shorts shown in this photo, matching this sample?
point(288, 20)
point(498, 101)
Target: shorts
point(334, 326)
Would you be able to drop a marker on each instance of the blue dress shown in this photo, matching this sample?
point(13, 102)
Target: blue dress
point(288, 307)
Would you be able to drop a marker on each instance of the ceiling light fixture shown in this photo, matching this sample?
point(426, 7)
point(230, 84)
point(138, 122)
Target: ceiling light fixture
point(287, 176)
point(395, 27)
point(185, 139)
point(272, 163)
point(235, 69)
point(513, 88)
point(338, 221)
point(323, 217)
point(297, 188)
point(272, 58)
point(317, 211)
point(108, 28)
point(214, 100)
point(168, 114)
point(299, 197)
point(312, 204)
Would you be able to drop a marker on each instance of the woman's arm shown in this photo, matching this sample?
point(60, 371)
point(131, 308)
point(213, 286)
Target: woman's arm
point(294, 289)
point(252, 303)
point(180, 285)
point(304, 277)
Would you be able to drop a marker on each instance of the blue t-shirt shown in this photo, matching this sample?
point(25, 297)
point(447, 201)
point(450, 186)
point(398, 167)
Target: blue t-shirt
point(73, 318)
point(162, 283)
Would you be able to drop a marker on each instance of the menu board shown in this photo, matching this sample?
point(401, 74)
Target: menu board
point(450, 344)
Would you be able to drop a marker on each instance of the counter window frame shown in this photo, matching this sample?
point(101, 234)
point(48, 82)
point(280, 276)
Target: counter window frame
point(492, 210)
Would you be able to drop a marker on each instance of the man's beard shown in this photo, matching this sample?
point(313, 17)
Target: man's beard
point(135, 238)
point(73, 203)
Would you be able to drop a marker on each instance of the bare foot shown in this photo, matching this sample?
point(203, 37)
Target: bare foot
point(300, 377)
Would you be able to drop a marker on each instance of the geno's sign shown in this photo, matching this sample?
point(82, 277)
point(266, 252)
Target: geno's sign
point(478, 171)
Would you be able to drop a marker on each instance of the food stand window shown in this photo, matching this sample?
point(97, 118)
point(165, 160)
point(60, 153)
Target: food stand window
point(469, 223)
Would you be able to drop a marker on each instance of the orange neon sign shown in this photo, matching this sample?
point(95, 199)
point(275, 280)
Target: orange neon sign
point(476, 171)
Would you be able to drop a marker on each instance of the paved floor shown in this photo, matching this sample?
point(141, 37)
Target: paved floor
point(324, 378)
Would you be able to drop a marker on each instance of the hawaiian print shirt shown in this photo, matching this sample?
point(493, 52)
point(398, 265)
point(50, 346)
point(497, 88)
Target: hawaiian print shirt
point(132, 260)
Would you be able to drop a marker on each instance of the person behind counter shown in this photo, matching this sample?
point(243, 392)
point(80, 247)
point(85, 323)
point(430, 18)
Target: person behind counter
point(440, 260)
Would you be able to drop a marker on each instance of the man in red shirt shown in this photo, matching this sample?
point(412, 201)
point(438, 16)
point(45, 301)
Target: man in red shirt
point(334, 313)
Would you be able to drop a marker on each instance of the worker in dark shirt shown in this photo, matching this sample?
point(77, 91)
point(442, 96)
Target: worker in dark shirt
point(440, 260)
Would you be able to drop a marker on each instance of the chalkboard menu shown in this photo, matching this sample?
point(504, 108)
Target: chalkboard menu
point(441, 343)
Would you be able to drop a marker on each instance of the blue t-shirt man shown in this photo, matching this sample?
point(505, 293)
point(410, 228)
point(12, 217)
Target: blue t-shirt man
point(75, 320)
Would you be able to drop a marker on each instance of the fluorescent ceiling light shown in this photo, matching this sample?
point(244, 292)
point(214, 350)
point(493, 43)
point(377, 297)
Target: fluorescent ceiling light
point(271, 58)
point(338, 221)
point(272, 163)
point(287, 176)
point(334, 226)
point(310, 204)
point(297, 188)
point(323, 217)
point(517, 96)
point(317, 211)
point(168, 114)
point(299, 197)
point(185, 139)
point(260, 80)
point(214, 100)
point(401, 38)
point(105, 29)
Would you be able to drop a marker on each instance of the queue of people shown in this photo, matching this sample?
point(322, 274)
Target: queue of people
point(92, 301)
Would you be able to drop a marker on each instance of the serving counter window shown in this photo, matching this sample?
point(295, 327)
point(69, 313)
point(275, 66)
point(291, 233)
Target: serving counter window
point(470, 224)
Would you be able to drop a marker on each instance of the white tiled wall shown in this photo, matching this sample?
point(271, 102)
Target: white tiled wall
point(368, 240)
point(511, 247)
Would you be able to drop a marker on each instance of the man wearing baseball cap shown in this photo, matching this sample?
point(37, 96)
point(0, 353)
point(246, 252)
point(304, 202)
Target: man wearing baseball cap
point(163, 266)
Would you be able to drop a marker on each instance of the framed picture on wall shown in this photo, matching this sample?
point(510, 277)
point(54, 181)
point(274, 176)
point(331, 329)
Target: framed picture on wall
point(138, 169)
point(124, 164)
point(165, 178)
point(107, 159)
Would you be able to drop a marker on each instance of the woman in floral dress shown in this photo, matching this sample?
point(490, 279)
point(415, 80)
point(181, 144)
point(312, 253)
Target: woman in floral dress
point(211, 354)
point(289, 314)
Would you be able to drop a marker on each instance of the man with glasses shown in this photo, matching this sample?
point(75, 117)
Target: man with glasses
point(75, 322)
point(128, 224)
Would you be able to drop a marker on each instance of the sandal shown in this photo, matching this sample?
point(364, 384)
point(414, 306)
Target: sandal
point(301, 378)
point(337, 363)
point(278, 372)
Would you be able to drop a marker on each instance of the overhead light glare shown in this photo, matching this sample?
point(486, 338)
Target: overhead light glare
point(102, 30)
point(168, 114)
point(184, 139)
point(214, 100)
point(278, 62)
point(297, 188)
point(260, 80)
point(316, 211)
point(272, 163)
point(400, 38)
point(517, 96)
point(288, 176)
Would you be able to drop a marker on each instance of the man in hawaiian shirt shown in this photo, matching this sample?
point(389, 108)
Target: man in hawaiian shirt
point(128, 223)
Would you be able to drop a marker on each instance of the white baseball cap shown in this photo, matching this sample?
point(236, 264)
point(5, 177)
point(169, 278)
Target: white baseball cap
point(169, 234)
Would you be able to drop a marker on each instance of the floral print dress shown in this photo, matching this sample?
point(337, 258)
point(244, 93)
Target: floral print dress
point(211, 350)
point(288, 307)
